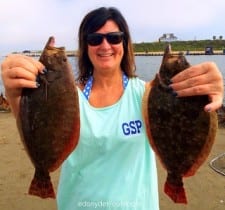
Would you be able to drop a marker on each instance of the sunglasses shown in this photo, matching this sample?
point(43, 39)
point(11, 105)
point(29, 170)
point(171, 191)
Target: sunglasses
point(95, 39)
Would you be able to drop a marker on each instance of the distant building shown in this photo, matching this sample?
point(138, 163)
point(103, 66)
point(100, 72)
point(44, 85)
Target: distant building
point(26, 52)
point(168, 38)
point(209, 50)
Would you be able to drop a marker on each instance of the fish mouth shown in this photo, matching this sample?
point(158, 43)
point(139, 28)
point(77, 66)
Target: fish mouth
point(52, 41)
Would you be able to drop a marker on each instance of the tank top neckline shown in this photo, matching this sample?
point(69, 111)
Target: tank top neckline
point(87, 88)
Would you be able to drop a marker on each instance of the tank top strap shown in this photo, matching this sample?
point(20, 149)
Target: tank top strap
point(88, 86)
point(125, 81)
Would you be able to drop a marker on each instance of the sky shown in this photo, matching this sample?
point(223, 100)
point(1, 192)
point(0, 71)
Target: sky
point(27, 24)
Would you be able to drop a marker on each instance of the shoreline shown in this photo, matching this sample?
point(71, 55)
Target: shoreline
point(147, 53)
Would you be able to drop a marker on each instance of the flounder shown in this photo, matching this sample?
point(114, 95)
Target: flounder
point(48, 120)
point(179, 130)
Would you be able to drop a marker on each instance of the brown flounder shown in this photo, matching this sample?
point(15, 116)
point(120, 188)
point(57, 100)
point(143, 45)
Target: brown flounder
point(180, 132)
point(48, 120)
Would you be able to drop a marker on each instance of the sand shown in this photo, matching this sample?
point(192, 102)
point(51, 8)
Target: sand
point(205, 190)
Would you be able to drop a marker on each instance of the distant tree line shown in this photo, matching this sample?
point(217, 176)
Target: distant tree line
point(195, 45)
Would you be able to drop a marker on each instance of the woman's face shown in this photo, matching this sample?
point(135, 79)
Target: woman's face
point(106, 56)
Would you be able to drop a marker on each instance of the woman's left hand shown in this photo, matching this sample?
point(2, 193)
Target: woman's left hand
point(201, 79)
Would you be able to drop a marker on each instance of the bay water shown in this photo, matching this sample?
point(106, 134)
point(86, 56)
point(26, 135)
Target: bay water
point(148, 66)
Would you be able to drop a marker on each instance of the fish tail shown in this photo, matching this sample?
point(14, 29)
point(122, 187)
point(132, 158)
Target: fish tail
point(176, 193)
point(41, 185)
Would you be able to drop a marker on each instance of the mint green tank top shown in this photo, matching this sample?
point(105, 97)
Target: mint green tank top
point(113, 166)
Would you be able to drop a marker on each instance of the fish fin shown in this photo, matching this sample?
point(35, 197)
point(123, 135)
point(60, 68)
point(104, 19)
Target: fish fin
point(204, 154)
point(176, 193)
point(69, 147)
point(146, 117)
point(41, 186)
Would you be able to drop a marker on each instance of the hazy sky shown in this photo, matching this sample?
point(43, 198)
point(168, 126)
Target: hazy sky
point(27, 24)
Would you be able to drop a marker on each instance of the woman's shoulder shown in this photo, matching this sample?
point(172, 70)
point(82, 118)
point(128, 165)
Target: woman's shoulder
point(139, 83)
point(137, 86)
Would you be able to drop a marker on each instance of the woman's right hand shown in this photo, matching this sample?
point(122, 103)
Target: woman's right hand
point(19, 71)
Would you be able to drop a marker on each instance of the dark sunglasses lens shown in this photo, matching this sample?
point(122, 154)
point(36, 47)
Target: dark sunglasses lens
point(114, 38)
point(94, 39)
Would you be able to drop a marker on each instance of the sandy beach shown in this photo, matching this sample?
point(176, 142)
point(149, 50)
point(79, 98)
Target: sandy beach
point(205, 190)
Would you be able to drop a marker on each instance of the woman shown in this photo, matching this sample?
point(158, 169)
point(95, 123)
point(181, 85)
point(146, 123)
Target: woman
point(113, 166)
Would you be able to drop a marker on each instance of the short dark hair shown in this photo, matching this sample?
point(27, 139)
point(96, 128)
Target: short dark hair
point(93, 21)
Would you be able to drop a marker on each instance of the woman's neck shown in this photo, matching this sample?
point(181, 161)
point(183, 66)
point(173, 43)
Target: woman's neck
point(106, 89)
point(107, 80)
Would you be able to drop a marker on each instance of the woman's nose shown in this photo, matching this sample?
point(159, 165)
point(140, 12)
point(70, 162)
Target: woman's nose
point(105, 42)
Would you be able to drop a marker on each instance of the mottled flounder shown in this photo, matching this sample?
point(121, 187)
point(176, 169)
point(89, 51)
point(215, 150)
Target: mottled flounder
point(179, 130)
point(48, 120)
